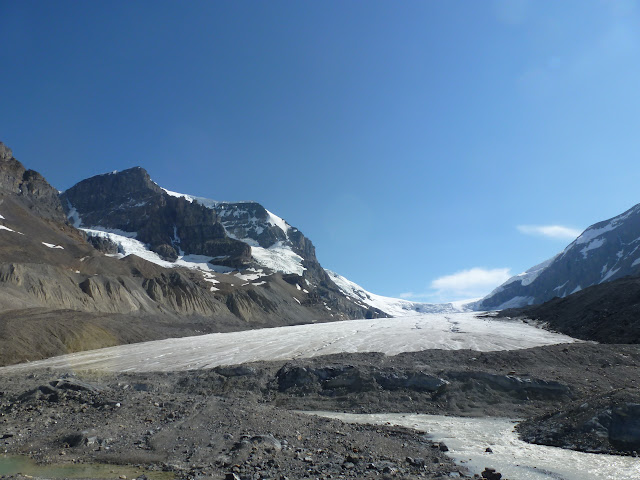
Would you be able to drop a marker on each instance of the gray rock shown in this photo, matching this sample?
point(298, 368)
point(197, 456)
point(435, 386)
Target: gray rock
point(409, 380)
point(266, 441)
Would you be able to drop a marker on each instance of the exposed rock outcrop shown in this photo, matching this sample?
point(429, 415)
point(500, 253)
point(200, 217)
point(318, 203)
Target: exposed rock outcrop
point(28, 186)
point(604, 424)
point(131, 202)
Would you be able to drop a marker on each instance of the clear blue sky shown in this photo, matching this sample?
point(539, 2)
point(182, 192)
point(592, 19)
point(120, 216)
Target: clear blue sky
point(408, 140)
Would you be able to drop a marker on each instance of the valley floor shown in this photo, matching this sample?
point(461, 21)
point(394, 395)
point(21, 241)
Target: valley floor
point(244, 420)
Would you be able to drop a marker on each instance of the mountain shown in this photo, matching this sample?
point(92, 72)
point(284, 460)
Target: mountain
point(606, 251)
point(152, 265)
point(128, 213)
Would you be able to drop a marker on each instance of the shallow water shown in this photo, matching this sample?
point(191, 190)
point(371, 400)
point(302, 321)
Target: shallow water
point(14, 464)
point(468, 439)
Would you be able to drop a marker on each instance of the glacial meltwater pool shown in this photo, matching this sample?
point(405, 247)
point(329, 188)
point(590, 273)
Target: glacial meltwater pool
point(468, 439)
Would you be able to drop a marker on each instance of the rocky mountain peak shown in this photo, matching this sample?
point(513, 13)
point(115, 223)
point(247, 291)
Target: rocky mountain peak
point(5, 153)
point(29, 187)
point(131, 185)
point(129, 201)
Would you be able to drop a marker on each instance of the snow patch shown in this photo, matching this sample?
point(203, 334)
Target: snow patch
point(557, 289)
point(596, 243)
point(609, 274)
point(128, 245)
point(527, 277)
point(254, 275)
point(278, 257)
point(51, 245)
point(516, 302)
point(276, 221)
point(74, 216)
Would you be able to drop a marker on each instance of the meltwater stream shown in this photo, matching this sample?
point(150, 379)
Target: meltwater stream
point(468, 439)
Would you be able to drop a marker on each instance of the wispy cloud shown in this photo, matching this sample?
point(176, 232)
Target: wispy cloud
point(558, 232)
point(472, 283)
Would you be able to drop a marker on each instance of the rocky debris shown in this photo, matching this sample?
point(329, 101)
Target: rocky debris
point(67, 390)
point(315, 381)
point(491, 474)
point(607, 423)
point(166, 426)
point(418, 381)
point(523, 388)
point(231, 420)
point(103, 244)
point(344, 379)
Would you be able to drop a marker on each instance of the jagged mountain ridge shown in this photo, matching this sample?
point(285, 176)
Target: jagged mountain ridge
point(605, 251)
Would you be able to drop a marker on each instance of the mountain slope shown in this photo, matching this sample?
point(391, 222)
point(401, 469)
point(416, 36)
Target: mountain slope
point(605, 313)
point(606, 251)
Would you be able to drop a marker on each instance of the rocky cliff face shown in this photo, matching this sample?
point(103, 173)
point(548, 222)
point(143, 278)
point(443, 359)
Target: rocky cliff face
point(606, 251)
point(252, 223)
point(130, 201)
point(29, 187)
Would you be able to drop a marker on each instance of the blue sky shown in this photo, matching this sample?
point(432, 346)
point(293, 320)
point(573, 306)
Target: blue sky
point(420, 145)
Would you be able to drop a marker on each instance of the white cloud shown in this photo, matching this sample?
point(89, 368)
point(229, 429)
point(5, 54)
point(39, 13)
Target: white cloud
point(467, 284)
point(558, 232)
point(472, 280)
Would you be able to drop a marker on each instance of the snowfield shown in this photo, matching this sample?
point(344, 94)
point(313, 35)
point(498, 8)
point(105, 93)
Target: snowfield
point(386, 335)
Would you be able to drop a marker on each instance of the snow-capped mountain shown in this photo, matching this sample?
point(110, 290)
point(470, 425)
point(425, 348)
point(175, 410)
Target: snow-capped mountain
point(605, 251)
point(396, 307)
point(127, 213)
